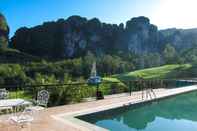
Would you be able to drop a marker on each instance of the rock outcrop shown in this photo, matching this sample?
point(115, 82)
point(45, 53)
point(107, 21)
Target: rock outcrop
point(141, 36)
point(76, 36)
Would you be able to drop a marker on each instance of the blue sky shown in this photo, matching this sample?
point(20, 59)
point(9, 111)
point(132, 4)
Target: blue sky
point(163, 13)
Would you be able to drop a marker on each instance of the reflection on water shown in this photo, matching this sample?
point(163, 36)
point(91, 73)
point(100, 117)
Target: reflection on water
point(172, 114)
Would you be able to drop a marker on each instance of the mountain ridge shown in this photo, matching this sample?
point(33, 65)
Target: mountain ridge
point(77, 35)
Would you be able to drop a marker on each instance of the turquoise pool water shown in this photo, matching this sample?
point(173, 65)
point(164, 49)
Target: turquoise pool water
point(178, 113)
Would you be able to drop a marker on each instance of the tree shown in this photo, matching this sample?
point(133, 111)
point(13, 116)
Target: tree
point(3, 42)
point(152, 60)
point(169, 54)
point(4, 31)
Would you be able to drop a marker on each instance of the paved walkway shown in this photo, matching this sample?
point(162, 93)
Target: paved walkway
point(45, 120)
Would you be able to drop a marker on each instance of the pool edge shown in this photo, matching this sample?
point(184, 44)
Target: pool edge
point(70, 118)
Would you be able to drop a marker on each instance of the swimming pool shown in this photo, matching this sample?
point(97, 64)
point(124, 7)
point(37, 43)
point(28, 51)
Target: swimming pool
point(177, 113)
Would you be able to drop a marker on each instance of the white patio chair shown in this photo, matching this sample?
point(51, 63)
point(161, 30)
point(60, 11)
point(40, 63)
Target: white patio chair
point(4, 95)
point(26, 117)
point(41, 102)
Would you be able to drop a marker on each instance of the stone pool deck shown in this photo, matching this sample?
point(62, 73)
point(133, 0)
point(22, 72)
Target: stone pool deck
point(62, 118)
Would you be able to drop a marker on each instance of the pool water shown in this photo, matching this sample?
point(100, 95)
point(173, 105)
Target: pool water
point(177, 113)
point(180, 83)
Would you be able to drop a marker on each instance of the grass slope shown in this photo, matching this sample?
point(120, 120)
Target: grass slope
point(162, 72)
point(14, 56)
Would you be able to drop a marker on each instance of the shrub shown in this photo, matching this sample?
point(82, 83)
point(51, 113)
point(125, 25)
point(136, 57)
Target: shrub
point(113, 88)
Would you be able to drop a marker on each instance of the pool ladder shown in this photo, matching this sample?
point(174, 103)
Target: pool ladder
point(149, 93)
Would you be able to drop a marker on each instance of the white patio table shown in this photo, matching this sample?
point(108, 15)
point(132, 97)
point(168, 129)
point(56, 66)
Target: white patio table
point(13, 103)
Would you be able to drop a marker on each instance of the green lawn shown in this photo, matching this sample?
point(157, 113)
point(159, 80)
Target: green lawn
point(111, 79)
point(19, 94)
point(162, 72)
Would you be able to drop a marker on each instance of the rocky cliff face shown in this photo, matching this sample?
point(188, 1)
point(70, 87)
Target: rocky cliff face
point(141, 36)
point(76, 36)
point(4, 31)
point(179, 38)
point(82, 35)
point(68, 38)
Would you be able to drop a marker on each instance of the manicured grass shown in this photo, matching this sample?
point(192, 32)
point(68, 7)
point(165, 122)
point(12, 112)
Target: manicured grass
point(111, 79)
point(162, 72)
point(19, 94)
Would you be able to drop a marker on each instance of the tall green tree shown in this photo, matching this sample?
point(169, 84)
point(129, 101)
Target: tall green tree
point(169, 54)
point(4, 31)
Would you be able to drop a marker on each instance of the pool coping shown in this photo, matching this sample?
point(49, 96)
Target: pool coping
point(70, 117)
